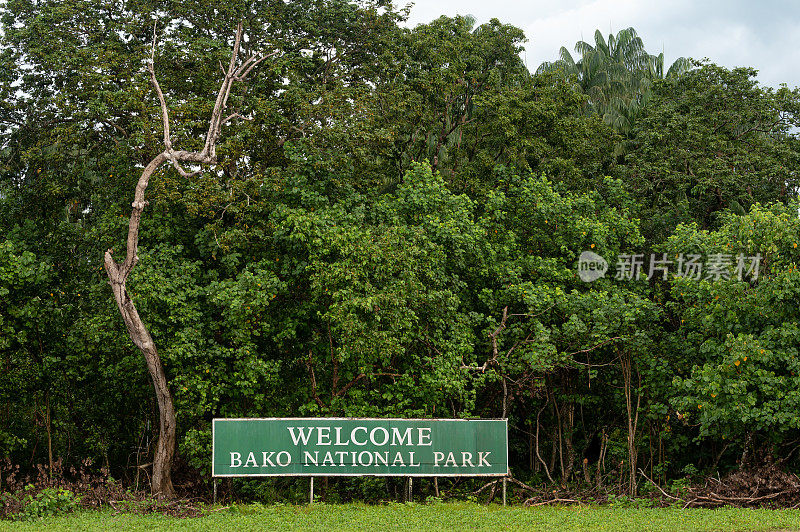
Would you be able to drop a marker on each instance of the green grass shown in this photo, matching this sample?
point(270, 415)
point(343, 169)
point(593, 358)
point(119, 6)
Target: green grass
point(442, 516)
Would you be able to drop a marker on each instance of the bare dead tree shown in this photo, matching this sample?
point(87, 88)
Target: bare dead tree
point(118, 273)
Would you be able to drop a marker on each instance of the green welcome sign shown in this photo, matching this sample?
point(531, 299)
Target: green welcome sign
point(359, 447)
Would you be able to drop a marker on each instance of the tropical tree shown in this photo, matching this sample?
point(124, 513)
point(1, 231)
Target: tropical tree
point(712, 140)
point(615, 74)
point(733, 354)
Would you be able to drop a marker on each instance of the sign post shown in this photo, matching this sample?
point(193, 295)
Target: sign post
point(359, 447)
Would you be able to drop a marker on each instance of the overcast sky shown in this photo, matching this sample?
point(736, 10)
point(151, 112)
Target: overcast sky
point(762, 34)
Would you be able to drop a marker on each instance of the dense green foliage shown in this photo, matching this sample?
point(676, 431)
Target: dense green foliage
point(395, 233)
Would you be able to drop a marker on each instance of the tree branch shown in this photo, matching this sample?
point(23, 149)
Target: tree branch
point(164, 111)
point(310, 366)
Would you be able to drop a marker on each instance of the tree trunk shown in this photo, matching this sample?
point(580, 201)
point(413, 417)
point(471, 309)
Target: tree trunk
point(568, 427)
point(626, 363)
point(118, 273)
point(117, 276)
point(601, 462)
point(49, 425)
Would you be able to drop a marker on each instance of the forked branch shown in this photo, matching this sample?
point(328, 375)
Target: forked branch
point(117, 273)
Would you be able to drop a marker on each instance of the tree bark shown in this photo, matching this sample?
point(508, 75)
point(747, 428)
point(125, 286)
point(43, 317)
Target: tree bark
point(117, 276)
point(48, 423)
point(118, 273)
point(626, 363)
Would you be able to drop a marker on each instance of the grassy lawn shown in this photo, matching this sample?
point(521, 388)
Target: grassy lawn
point(448, 516)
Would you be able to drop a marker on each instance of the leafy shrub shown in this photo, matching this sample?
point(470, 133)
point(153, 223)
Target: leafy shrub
point(48, 502)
